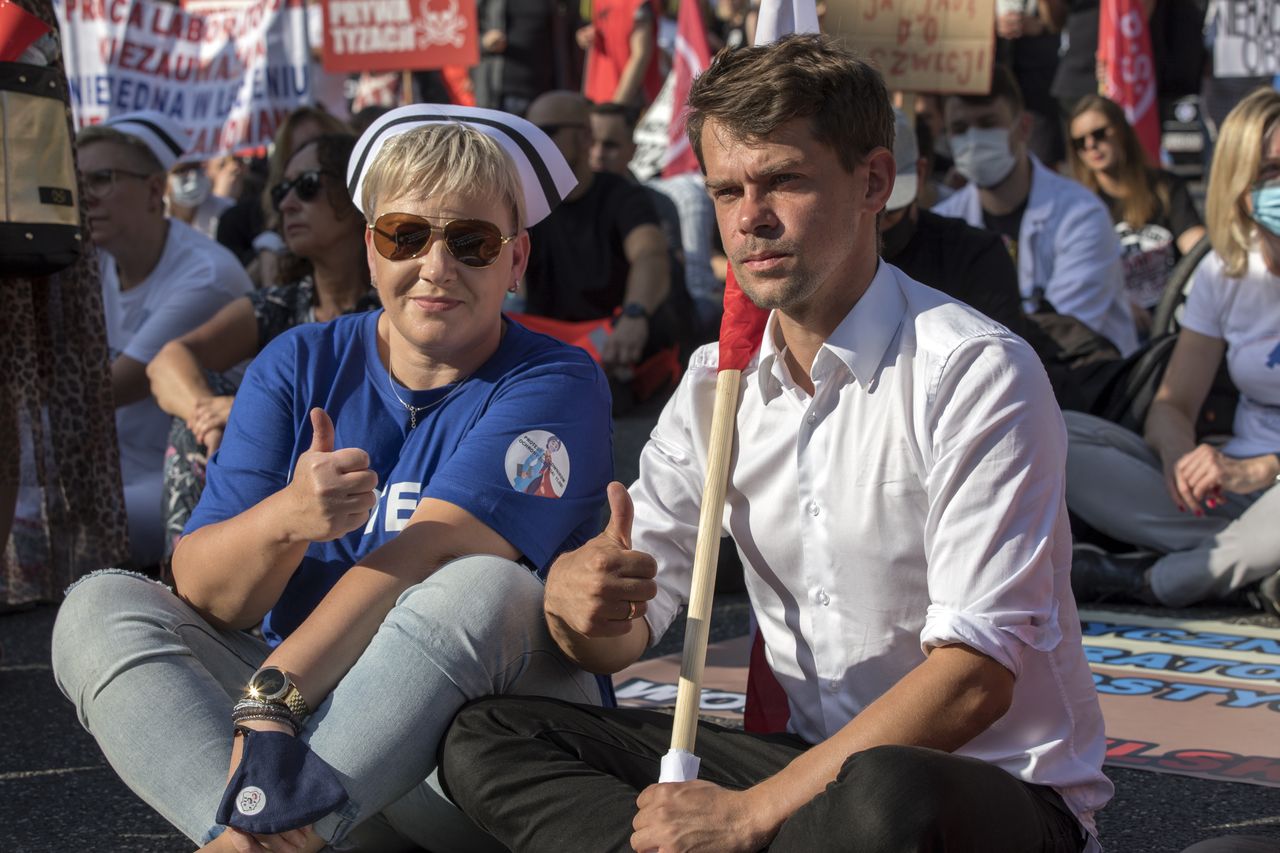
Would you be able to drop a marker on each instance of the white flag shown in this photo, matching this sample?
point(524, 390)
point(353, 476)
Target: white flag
point(778, 18)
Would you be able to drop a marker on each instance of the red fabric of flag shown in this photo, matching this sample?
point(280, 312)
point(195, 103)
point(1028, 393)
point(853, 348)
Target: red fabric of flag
point(741, 327)
point(1128, 69)
point(692, 56)
point(18, 31)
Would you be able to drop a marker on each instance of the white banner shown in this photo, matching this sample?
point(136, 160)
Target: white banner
point(229, 72)
point(1246, 38)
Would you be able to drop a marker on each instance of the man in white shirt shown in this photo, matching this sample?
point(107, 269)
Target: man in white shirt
point(897, 500)
point(160, 279)
point(1059, 234)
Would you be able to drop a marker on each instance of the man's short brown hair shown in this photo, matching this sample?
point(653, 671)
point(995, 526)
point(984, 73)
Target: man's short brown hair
point(751, 91)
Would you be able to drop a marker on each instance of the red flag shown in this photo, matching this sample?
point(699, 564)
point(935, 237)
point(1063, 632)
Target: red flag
point(692, 56)
point(1128, 69)
point(19, 30)
point(742, 324)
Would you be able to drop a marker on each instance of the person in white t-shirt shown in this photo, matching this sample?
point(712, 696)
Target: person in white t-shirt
point(897, 501)
point(160, 279)
point(1205, 513)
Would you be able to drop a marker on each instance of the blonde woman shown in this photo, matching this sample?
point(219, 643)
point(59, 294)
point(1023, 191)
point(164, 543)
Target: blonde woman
point(1204, 514)
point(367, 508)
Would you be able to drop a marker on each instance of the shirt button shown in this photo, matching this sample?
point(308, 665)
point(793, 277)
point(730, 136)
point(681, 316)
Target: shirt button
point(823, 598)
point(813, 508)
point(812, 418)
point(833, 685)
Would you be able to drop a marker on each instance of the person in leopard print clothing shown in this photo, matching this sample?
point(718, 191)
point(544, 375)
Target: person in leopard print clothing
point(58, 452)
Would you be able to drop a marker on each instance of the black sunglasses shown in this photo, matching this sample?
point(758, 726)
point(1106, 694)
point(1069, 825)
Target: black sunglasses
point(1097, 135)
point(306, 186)
point(474, 242)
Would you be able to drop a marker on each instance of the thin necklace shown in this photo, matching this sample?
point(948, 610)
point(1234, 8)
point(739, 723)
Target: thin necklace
point(414, 411)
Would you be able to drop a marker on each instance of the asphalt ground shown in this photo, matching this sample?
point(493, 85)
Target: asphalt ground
point(58, 794)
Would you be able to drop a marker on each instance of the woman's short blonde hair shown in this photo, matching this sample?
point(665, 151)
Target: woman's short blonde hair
point(1236, 161)
point(447, 158)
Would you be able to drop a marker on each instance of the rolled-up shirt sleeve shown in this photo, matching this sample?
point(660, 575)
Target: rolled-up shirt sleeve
point(995, 532)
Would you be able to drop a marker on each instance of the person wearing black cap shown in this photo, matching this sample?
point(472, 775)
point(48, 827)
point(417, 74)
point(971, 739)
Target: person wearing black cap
point(389, 487)
point(160, 279)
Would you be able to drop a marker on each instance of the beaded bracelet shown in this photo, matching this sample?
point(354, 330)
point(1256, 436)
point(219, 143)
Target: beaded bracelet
point(266, 716)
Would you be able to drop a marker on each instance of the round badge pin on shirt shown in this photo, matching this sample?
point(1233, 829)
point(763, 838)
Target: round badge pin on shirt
point(251, 800)
point(537, 463)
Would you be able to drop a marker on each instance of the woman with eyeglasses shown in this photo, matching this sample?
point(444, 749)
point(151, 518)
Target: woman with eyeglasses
point(1203, 513)
point(194, 377)
point(370, 508)
point(1155, 218)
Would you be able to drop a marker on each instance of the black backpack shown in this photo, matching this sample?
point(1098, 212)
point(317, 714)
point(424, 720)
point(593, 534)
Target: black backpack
point(39, 208)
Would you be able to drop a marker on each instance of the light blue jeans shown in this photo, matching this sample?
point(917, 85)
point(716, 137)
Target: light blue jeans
point(154, 684)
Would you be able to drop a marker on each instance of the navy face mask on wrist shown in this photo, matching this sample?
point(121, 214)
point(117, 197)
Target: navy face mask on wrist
point(280, 785)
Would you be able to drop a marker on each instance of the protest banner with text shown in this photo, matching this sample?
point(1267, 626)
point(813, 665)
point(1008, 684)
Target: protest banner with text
point(396, 35)
point(1247, 38)
point(921, 45)
point(229, 73)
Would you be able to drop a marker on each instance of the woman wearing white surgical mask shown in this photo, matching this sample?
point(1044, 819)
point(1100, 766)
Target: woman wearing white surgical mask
point(191, 199)
point(1202, 511)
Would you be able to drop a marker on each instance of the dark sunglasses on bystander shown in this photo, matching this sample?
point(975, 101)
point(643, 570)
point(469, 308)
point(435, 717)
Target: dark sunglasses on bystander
point(1099, 134)
point(306, 186)
point(402, 236)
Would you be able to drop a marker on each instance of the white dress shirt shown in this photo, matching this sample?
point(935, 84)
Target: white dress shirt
point(915, 500)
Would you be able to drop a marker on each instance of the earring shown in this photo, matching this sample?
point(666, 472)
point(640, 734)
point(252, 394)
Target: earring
point(515, 285)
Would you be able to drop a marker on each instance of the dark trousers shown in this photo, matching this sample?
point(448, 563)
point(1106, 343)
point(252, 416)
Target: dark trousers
point(540, 774)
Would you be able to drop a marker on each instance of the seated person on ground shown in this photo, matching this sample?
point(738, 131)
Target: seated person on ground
point(897, 499)
point(389, 488)
point(160, 279)
point(1154, 215)
point(972, 265)
point(681, 202)
point(1058, 233)
point(329, 277)
point(1204, 514)
point(601, 250)
point(966, 263)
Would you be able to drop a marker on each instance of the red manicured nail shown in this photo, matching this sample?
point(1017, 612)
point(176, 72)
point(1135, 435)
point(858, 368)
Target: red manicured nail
point(1181, 508)
point(1199, 513)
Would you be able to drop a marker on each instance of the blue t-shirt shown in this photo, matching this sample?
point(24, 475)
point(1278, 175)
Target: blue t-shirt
point(525, 444)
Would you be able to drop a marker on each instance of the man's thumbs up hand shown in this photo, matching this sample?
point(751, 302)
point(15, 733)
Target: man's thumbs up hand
point(599, 589)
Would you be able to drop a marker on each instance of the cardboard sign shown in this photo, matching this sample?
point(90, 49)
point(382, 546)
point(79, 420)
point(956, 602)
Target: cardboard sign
point(921, 45)
point(1247, 40)
point(394, 35)
point(229, 73)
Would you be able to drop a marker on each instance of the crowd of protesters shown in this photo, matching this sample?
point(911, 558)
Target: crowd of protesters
point(251, 305)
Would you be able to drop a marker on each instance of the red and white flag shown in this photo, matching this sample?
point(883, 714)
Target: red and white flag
point(1129, 70)
point(742, 324)
point(692, 56)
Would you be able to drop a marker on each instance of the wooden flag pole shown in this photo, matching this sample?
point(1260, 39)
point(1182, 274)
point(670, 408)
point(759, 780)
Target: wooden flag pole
point(406, 87)
point(680, 764)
